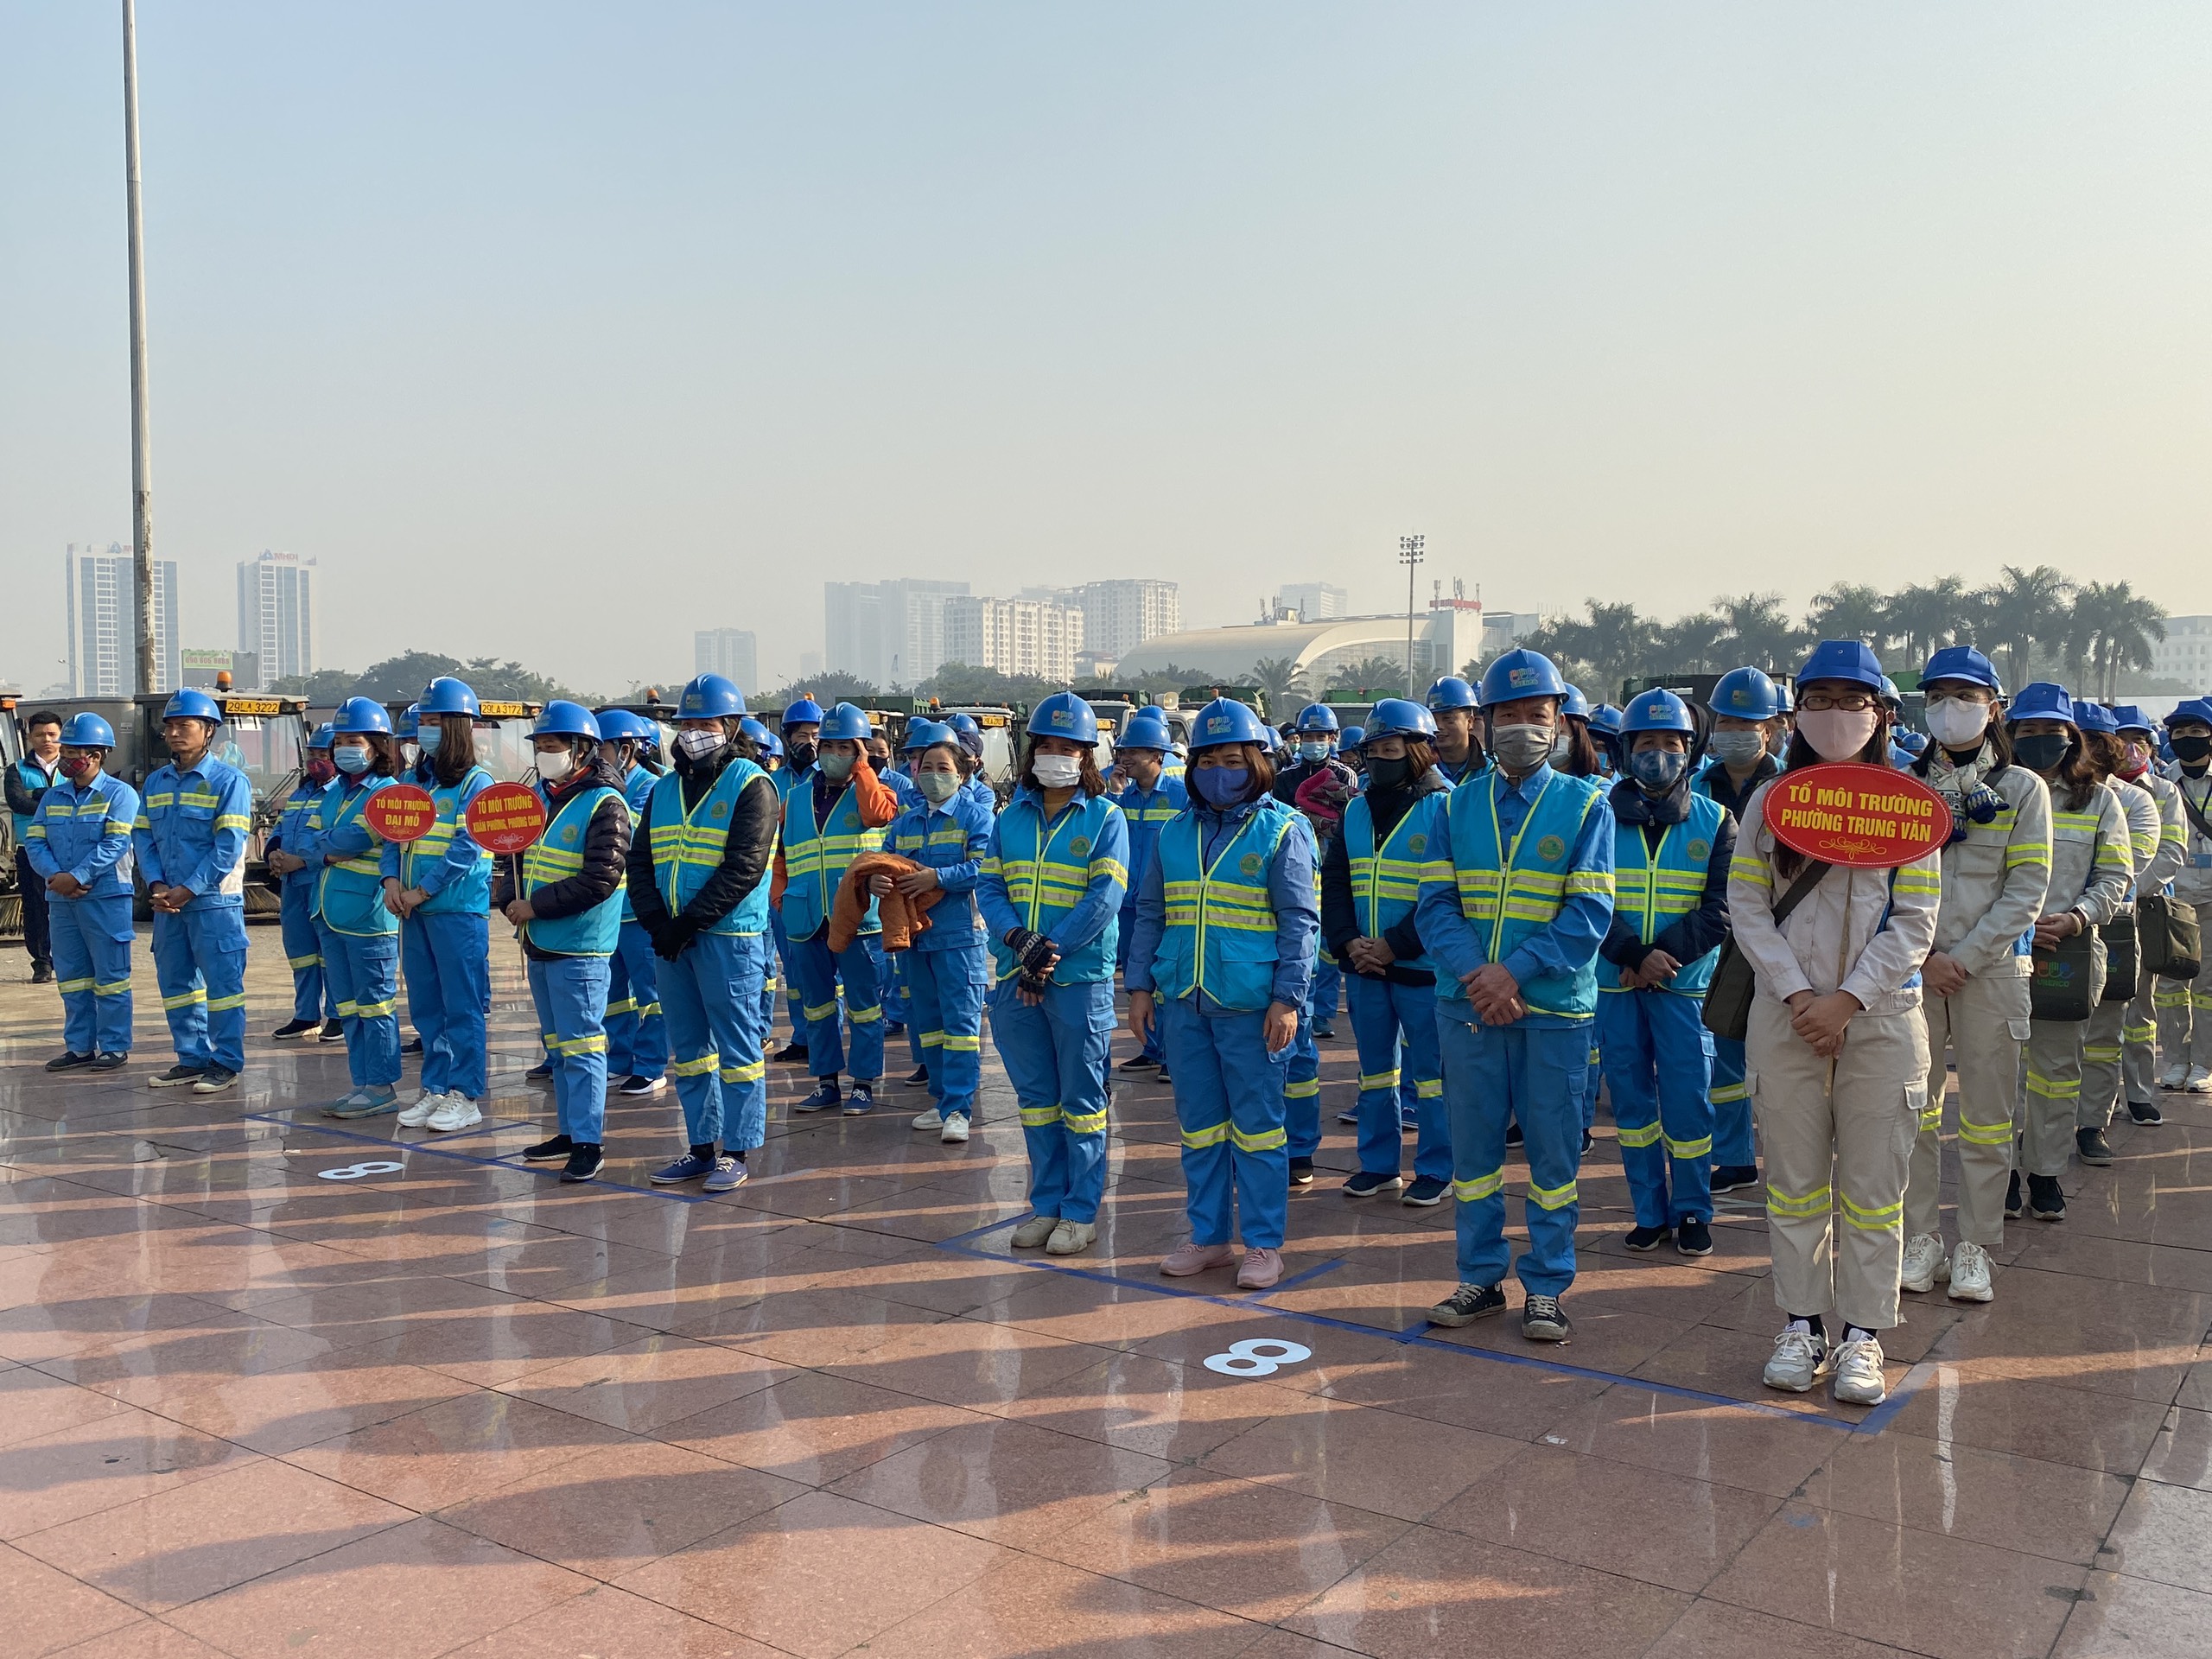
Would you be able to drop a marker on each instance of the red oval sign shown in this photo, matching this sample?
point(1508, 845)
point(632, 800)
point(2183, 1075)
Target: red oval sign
point(400, 812)
point(1865, 817)
point(505, 818)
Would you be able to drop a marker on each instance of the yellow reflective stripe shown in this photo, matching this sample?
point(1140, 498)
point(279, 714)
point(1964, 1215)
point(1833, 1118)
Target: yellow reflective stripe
point(1266, 1141)
point(933, 1039)
point(2101, 1052)
point(1483, 1187)
point(752, 1071)
point(217, 1004)
point(2032, 853)
point(1213, 1134)
point(578, 1044)
point(964, 1045)
point(863, 1016)
point(2200, 999)
point(304, 962)
point(627, 1005)
point(2177, 998)
point(2146, 1033)
point(1816, 1203)
point(1554, 1198)
point(1889, 1218)
point(820, 1010)
point(1931, 1117)
point(374, 1010)
point(1379, 1079)
point(2053, 1088)
point(1428, 1088)
point(646, 1010)
point(1646, 1136)
point(1727, 1092)
point(1084, 1123)
point(234, 820)
point(111, 988)
point(1043, 1117)
point(1986, 1134)
point(347, 1010)
point(67, 986)
point(1112, 867)
point(1302, 1091)
point(1701, 1147)
point(697, 1068)
point(185, 1000)
point(1749, 867)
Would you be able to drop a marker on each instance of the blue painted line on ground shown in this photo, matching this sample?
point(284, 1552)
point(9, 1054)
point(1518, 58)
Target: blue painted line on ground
point(1296, 1279)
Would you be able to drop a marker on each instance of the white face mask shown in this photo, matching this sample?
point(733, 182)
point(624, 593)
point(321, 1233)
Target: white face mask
point(408, 752)
point(699, 744)
point(555, 766)
point(1058, 770)
point(1957, 723)
point(1837, 734)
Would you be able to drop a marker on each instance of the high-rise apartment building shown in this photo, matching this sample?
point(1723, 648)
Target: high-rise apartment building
point(276, 614)
point(2185, 653)
point(1314, 601)
point(733, 654)
point(1035, 638)
point(1119, 615)
point(889, 633)
point(103, 656)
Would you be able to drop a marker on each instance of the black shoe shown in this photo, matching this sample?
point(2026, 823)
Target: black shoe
point(42, 974)
point(542, 1072)
point(1301, 1171)
point(1588, 1141)
point(1467, 1304)
point(583, 1163)
point(2145, 1112)
point(1137, 1062)
point(295, 1028)
point(333, 1031)
point(1325, 1034)
point(414, 1046)
point(1542, 1319)
point(108, 1060)
point(1164, 1078)
point(179, 1076)
point(893, 1028)
point(637, 1086)
point(920, 1077)
point(1368, 1183)
point(1694, 1237)
point(2014, 1207)
point(2045, 1201)
point(2093, 1147)
point(1513, 1135)
point(1647, 1238)
point(1730, 1178)
point(789, 1054)
point(549, 1152)
point(1424, 1193)
point(69, 1061)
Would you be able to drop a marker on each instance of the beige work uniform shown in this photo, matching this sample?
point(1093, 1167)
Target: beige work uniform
point(2184, 1006)
point(1836, 1153)
point(2090, 870)
point(2139, 1036)
point(2102, 1044)
point(1993, 885)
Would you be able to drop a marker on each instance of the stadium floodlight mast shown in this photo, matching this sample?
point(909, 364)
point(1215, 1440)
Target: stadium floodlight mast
point(1409, 554)
point(142, 459)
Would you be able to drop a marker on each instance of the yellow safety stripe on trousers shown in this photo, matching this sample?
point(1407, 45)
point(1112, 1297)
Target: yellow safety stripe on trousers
point(171, 1003)
point(1727, 1092)
point(627, 1005)
point(2200, 999)
point(219, 1004)
point(2177, 998)
point(1306, 1090)
point(1213, 1134)
point(768, 984)
point(2106, 1052)
point(1701, 1147)
point(862, 1016)
point(820, 1010)
point(375, 1010)
point(297, 962)
point(1084, 1123)
point(111, 988)
point(753, 1073)
point(1985, 1134)
point(933, 1039)
point(1266, 1141)
point(697, 1068)
point(1483, 1187)
point(955, 1044)
point(1043, 1117)
point(1889, 1218)
point(1816, 1203)
point(1931, 1116)
point(2053, 1088)
point(67, 986)
point(1648, 1135)
point(347, 1010)
point(1379, 1079)
point(1554, 1198)
point(646, 1010)
point(1428, 1088)
point(578, 1044)
point(2146, 1033)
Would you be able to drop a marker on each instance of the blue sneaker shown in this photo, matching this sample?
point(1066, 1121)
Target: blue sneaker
point(364, 1102)
point(860, 1101)
point(728, 1176)
point(689, 1168)
point(825, 1098)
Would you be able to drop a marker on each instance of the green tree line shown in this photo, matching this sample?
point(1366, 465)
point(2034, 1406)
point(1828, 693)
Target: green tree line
point(402, 677)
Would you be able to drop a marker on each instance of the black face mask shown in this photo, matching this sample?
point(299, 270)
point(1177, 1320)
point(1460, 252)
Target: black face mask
point(2192, 749)
point(2043, 753)
point(1388, 775)
point(799, 755)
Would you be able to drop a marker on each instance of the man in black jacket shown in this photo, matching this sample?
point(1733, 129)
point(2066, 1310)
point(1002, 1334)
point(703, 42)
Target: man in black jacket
point(698, 876)
point(28, 780)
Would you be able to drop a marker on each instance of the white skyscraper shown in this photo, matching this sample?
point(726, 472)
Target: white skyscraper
point(889, 633)
point(734, 653)
point(103, 658)
point(276, 614)
point(1036, 638)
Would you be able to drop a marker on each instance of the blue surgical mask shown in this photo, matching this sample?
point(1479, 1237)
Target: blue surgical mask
point(1310, 750)
point(350, 760)
point(429, 737)
point(1222, 786)
point(1658, 768)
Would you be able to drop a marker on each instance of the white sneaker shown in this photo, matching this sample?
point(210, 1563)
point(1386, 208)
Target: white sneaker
point(1071, 1238)
point(932, 1119)
point(456, 1112)
point(1923, 1262)
point(425, 1104)
point(955, 1133)
point(1798, 1361)
point(1970, 1274)
point(2199, 1081)
point(1859, 1373)
point(2174, 1075)
point(1033, 1233)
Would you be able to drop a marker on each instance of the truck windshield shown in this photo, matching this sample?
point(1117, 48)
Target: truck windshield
point(266, 747)
point(503, 747)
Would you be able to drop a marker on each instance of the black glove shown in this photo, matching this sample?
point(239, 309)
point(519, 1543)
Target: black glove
point(1032, 985)
point(672, 940)
point(1035, 951)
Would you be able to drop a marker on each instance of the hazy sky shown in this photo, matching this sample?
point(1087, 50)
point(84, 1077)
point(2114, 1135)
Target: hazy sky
point(560, 330)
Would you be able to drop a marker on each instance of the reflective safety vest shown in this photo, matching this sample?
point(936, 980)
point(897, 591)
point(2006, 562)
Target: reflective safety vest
point(1221, 918)
point(637, 789)
point(1046, 870)
point(349, 894)
point(815, 856)
point(687, 847)
point(1148, 814)
point(1652, 890)
point(469, 895)
point(1510, 892)
point(292, 830)
point(556, 856)
point(1385, 885)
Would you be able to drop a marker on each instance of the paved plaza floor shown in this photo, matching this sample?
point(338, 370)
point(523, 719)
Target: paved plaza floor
point(272, 1385)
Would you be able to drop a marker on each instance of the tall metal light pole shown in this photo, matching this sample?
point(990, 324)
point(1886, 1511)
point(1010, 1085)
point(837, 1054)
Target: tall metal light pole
point(1409, 554)
point(142, 460)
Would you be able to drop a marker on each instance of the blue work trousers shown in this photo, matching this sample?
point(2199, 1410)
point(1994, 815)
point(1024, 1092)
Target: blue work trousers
point(1395, 1026)
point(199, 958)
point(948, 988)
point(1658, 1063)
point(1731, 1108)
point(1229, 1101)
point(859, 966)
point(363, 969)
point(711, 996)
point(637, 1035)
point(1156, 1038)
point(1056, 1055)
point(1302, 1092)
point(790, 975)
point(1321, 992)
point(902, 980)
point(91, 940)
point(311, 998)
point(1529, 1073)
point(448, 957)
point(570, 993)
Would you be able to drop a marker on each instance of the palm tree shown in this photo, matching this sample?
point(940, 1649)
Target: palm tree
point(1850, 610)
point(1694, 642)
point(1279, 677)
point(1759, 629)
point(1923, 617)
point(2025, 607)
point(2119, 626)
point(1382, 674)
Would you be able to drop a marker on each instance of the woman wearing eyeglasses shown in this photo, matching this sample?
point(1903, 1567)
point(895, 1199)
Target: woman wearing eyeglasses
point(1836, 1052)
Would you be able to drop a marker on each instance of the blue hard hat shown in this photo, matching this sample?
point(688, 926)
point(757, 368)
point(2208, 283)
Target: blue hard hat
point(1845, 659)
point(323, 734)
point(1315, 717)
point(1786, 696)
point(2042, 701)
point(757, 730)
point(2127, 717)
point(358, 716)
point(964, 725)
point(192, 703)
point(1521, 673)
point(710, 696)
point(1605, 719)
point(1148, 730)
point(620, 726)
point(847, 723)
point(1913, 743)
point(770, 744)
point(2196, 708)
point(1399, 717)
point(409, 721)
point(1064, 715)
point(805, 711)
point(1657, 710)
point(446, 695)
point(1353, 736)
point(564, 719)
point(1227, 720)
point(1452, 692)
point(1963, 663)
point(88, 732)
point(929, 735)
point(1574, 705)
point(2094, 716)
point(1746, 693)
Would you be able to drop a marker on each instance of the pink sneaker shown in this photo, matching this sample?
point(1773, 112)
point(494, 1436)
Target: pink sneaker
point(1260, 1269)
point(1186, 1259)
